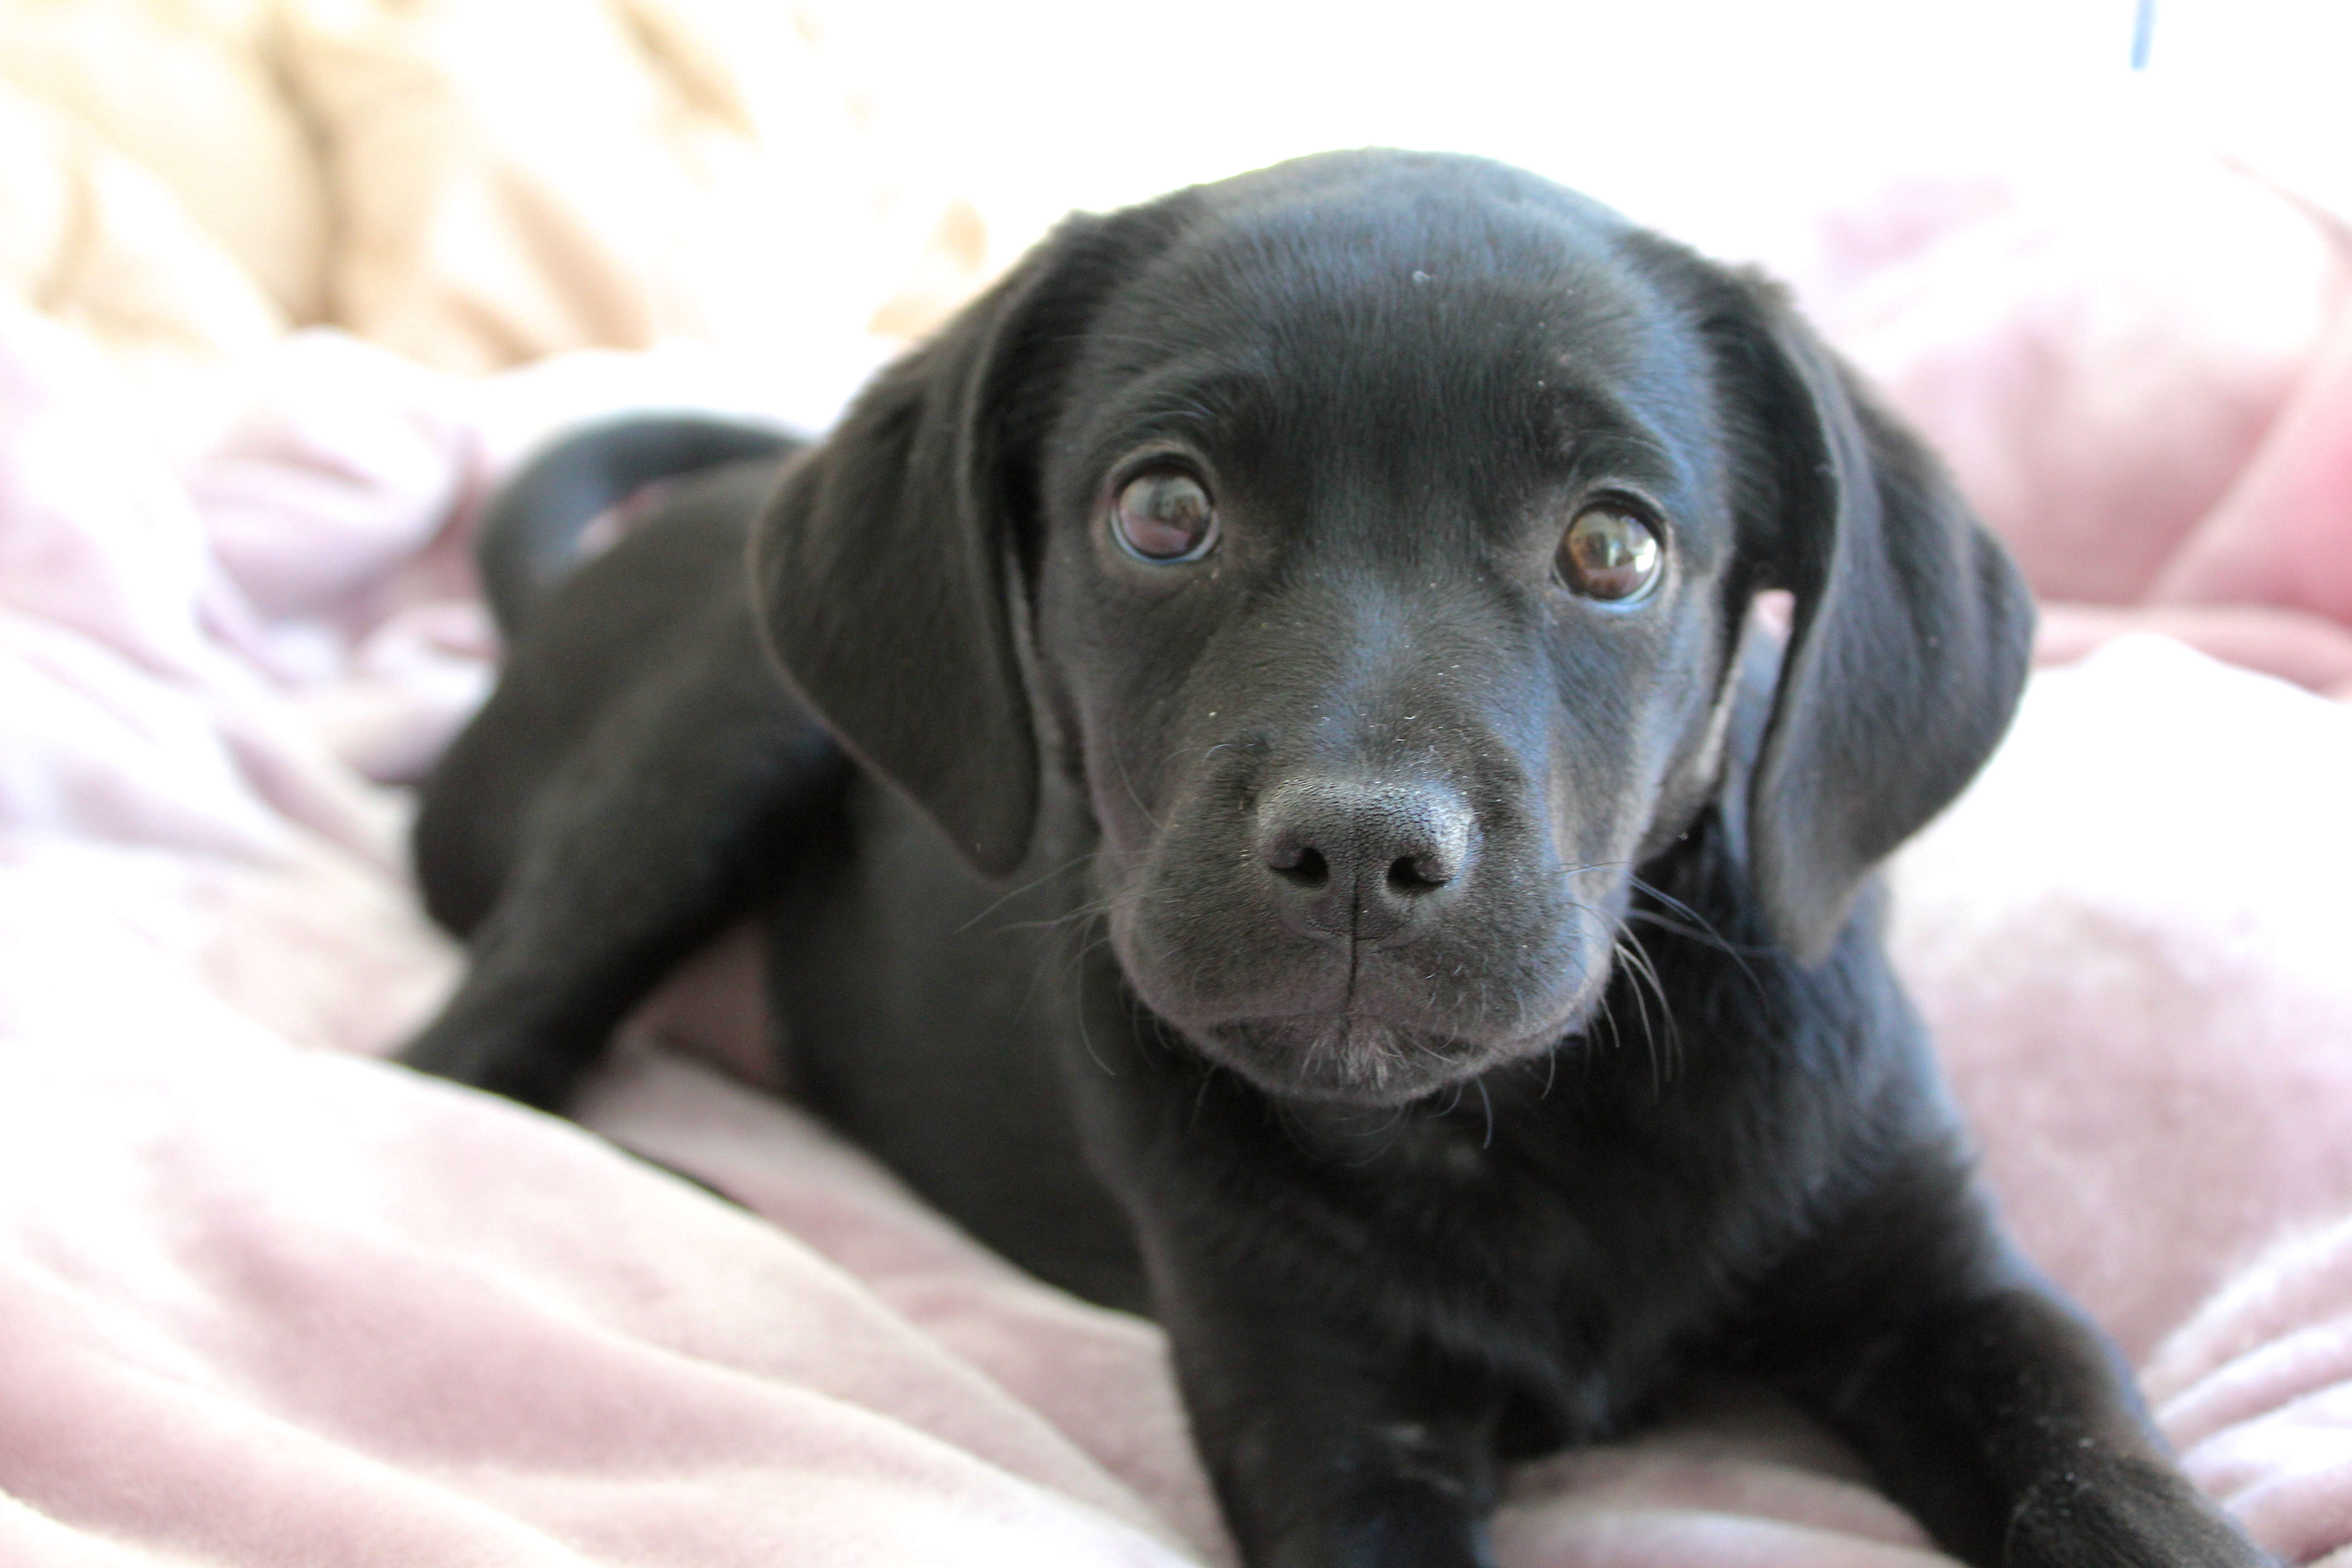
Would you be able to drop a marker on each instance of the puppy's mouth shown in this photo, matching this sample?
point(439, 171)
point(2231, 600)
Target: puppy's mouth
point(1368, 1029)
point(1356, 1059)
point(1229, 944)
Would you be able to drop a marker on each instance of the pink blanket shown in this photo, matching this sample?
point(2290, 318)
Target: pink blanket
point(2142, 372)
point(263, 1300)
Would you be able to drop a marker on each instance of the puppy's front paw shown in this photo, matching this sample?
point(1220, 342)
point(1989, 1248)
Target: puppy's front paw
point(2120, 1512)
point(1412, 1529)
point(462, 1050)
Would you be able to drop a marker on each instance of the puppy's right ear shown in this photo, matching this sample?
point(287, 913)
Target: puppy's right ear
point(886, 562)
point(1912, 632)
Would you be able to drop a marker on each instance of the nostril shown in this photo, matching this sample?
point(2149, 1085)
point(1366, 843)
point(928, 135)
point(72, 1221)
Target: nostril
point(1412, 874)
point(1363, 859)
point(1302, 867)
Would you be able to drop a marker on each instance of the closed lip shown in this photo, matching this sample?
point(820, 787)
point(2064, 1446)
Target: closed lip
point(1356, 1058)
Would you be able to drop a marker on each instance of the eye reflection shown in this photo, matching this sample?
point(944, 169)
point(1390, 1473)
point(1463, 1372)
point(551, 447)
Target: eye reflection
point(1165, 517)
point(1609, 554)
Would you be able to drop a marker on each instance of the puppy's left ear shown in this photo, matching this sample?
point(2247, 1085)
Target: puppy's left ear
point(1910, 644)
point(882, 566)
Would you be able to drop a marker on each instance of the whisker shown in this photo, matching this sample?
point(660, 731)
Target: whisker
point(1041, 880)
point(1649, 1035)
point(1085, 912)
point(1085, 1035)
point(1201, 1098)
point(1642, 968)
point(1129, 782)
point(1705, 932)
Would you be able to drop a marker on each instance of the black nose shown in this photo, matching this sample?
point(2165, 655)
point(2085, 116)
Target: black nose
point(1360, 859)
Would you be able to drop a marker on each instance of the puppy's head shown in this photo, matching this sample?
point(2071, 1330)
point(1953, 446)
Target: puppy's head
point(1383, 527)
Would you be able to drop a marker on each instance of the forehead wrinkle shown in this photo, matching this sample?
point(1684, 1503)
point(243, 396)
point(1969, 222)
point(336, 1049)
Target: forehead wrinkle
point(1204, 406)
point(1528, 358)
point(1593, 430)
point(1518, 377)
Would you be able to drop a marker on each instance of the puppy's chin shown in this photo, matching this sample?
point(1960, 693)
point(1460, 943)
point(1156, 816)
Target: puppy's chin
point(1350, 1059)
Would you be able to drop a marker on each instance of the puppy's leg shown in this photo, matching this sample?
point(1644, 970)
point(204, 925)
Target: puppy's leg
point(1327, 1454)
point(663, 825)
point(639, 779)
point(1992, 1410)
point(1336, 1432)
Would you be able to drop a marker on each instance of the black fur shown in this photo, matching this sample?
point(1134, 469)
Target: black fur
point(1452, 1005)
point(530, 530)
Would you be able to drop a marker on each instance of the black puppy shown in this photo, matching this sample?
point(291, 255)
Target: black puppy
point(1437, 979)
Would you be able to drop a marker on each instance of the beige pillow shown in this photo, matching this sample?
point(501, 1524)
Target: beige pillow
point(186, 88)
point(515, 177)
point(93, 239)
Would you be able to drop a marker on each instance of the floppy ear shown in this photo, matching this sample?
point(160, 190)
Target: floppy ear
point(883, 563)
point(1909, 647)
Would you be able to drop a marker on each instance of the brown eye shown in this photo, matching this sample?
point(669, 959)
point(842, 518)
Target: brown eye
point(1607, 554)
point(1165, 517)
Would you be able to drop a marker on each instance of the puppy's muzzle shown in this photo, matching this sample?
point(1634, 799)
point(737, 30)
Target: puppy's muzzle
point(1354, 860)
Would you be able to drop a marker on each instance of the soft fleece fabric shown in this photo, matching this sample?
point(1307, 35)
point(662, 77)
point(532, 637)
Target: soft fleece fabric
point(264, 1300)
point(269, 1302)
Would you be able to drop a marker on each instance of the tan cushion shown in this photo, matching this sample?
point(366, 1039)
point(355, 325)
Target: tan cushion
point(520, 176)
point(186, 88)
point(473, 183)
point(96, 241)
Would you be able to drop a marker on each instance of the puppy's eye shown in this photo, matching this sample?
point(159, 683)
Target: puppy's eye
point(1165, 517)
point(1609, 554)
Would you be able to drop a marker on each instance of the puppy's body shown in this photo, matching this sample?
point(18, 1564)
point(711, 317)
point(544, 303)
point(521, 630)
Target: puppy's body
point(1256, 585)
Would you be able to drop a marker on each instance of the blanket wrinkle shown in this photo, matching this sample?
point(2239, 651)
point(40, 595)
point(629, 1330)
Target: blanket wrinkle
point(1677, 1536)
point(98, 536)
point(263, 1231)
point(1733, 1452)
point(101, 727)
point(2154, 407)
point(2155, 818)
point(2278, 1331)
point(2151, 321)
point(2310, 650)
point(2279, 535)
point(99, 539)
point(1101, 1377)
point(372, 450)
